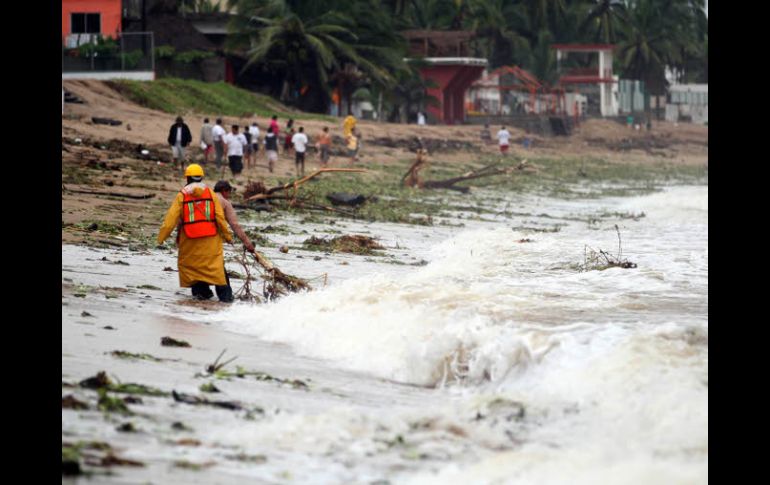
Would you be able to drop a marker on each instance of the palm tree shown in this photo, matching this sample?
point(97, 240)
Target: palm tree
point(649, 44)
point(493, 22)
point(544, 14)
point(604, 19)
point(303, 42)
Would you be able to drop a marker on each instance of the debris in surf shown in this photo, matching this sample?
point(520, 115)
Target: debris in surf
point(71, 402)
point(275, 282)
point(199, 401)
point(170, 342)
point(355, 244)
point(601, 260)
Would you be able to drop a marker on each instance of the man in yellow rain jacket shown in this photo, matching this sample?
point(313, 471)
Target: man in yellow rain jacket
point(348, 125)
point(200, 222)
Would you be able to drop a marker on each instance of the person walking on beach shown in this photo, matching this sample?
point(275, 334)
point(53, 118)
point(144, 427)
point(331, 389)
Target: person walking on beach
point(235, 142)
point(201, 226)
point(219, 147)
point(299, 141)
point(503, 136)
point(207, 138)
point(274, 125)
point(271, 148)
point(179, 137)
point(223, 189)
point(254, 130)
point(486, 135)
point(324, 144)
point(352, 145)
point(247, 147)
point(348, 125)
point(287, 146)
point(420, 118)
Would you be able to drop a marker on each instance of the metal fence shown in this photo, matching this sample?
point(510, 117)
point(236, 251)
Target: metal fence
point(128, 52)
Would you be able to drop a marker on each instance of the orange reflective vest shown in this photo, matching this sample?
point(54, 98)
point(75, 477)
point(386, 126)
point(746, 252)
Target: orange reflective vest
point(199, 218)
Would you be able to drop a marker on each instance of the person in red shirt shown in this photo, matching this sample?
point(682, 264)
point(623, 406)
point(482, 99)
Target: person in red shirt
point(274, 125)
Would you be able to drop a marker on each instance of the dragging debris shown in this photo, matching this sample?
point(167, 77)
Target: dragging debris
point(276, 283)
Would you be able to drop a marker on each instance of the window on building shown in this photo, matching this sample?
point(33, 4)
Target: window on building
point(86, 23)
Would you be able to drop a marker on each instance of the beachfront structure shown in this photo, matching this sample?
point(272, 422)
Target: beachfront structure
point(84, 20)
point(511, 90)
point(688, 102)
point(595, 81)
point(446, 62)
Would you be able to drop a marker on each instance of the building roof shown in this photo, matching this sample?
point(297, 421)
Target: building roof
point(178, 32)
point(465, 61)
point(583, 47)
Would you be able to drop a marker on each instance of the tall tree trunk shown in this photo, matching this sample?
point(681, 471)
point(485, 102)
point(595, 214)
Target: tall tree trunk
point(285, 90)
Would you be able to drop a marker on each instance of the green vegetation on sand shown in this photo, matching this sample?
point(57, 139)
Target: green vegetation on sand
point(185, 95)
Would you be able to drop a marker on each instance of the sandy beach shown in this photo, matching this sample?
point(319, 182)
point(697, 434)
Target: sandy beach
point(472, 348)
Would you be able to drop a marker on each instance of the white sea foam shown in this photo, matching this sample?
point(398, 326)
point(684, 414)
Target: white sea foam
point(613, 364)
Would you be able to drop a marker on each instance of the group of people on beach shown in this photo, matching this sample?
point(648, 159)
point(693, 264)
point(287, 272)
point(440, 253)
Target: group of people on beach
point(244, 145)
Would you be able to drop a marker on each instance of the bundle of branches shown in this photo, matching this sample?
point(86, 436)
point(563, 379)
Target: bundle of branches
point(412, 177)
point(347, 244)
point(254, 188)
point(275, 284)
point(601, 260)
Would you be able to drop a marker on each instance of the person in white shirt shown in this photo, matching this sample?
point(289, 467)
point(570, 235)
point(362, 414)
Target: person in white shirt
point(218, 133)
point(207, 139)
point(299, 140)
point(420, 118)
point(503, 136)
point(235, 142)
point(254, 130)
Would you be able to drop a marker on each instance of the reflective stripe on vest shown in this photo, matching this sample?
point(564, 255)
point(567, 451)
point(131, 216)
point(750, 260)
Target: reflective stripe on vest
point(198, 219)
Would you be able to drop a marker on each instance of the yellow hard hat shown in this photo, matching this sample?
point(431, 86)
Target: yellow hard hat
point(194, 170)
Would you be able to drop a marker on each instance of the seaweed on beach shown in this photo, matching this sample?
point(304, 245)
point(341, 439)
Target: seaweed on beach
point(101, 381)
point(199, 401)
point(355, 244)
point(122, 354)
point(170, 342)
point(71, 402)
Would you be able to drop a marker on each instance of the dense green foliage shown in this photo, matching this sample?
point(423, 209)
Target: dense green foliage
point(307, 49)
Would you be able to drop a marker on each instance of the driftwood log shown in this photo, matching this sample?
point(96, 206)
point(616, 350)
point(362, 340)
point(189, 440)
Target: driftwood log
point(294, 184)
point(412, 177)
point(112, 194)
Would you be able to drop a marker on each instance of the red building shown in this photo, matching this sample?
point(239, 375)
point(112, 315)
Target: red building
point(449, 66)
point(90, 17)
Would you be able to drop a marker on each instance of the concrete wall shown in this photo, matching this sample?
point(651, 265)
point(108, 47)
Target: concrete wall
point(107, 75)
